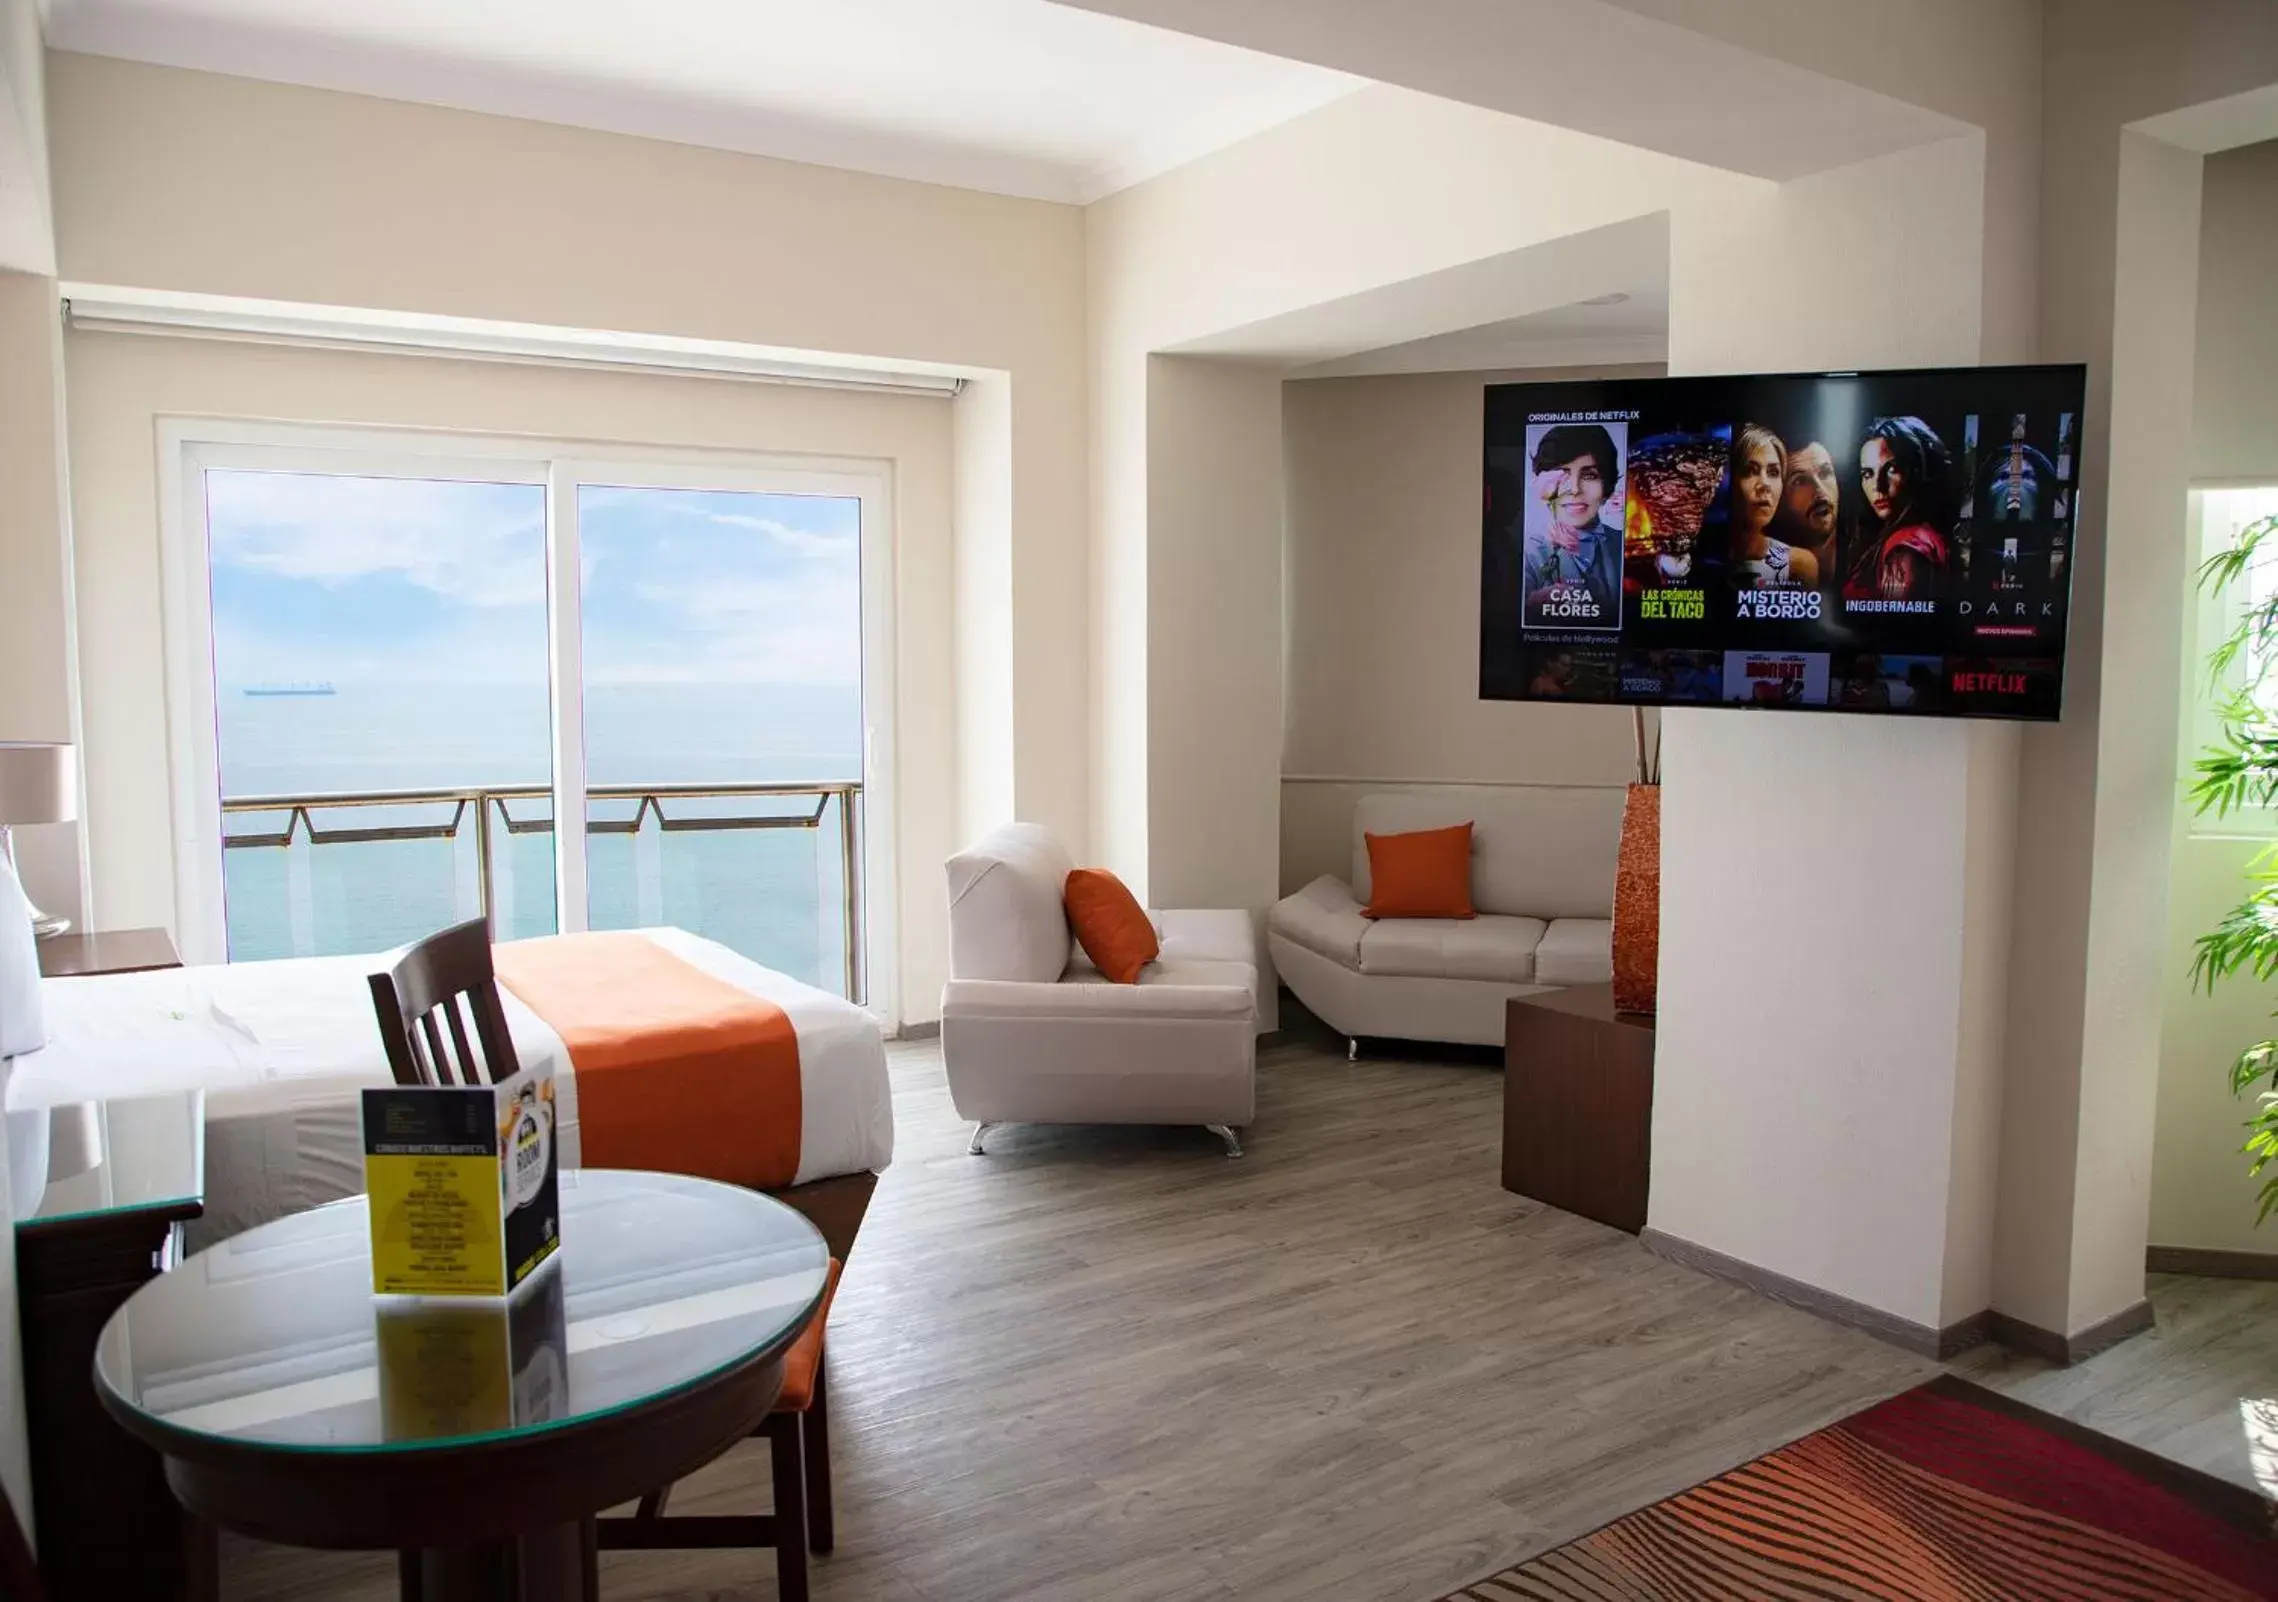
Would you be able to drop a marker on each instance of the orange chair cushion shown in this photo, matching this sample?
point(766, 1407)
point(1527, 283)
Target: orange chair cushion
point(805, 1358)
point(1424, 874)
point(1110, 925)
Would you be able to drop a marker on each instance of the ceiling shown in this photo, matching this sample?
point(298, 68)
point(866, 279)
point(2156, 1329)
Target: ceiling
point(1017, 97)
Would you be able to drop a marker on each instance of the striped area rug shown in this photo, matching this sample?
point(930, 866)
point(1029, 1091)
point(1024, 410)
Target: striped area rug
point(1946, 1492)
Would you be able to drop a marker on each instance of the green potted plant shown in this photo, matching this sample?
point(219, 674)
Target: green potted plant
point(2240, 772)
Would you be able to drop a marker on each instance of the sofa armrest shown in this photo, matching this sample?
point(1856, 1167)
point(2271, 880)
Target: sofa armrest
point(1011, 999)
point(1206, 934)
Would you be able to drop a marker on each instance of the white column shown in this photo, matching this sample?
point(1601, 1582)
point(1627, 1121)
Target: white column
point(1826, 1080)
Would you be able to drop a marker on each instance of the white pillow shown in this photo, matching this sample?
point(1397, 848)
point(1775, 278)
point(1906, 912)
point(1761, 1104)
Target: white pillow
point(23, 1028)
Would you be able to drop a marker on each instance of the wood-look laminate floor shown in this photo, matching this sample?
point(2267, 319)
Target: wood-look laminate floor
point(1114, 1365)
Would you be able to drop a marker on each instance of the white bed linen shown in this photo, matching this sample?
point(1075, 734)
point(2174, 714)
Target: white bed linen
point(282, 1049)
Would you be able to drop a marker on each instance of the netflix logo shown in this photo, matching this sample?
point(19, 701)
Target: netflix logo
point(2000, 686)
point(1982, 683)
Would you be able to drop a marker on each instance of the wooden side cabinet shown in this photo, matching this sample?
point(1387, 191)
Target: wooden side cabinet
point(75, 955)
point(100, 1504)
point(1578, 1104)
point(124, 1177)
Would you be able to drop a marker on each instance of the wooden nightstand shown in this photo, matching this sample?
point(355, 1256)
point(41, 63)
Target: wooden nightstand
point(67, 956)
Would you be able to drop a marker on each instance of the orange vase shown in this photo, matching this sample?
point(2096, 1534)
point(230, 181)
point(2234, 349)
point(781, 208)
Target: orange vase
point(1637, 902)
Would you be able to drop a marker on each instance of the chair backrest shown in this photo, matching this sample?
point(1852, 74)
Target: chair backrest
point(1537, 851)
point(1006, 916)
point(444, 976)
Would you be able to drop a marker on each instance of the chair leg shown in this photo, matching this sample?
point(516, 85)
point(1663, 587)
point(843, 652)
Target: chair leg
point(1233, 1145)
point(980, 1131)
point(790, 1508)
point(815, 1439)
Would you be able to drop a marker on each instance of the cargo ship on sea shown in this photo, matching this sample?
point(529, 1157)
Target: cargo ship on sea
point(322, 688)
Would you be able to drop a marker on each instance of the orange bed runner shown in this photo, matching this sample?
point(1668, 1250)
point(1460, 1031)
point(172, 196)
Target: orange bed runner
point(677, 1072)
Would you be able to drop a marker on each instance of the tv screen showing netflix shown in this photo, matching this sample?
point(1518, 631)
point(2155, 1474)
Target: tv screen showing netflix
point(1894, 542)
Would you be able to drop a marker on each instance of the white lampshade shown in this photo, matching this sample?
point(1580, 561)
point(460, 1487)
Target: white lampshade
point(39, 783)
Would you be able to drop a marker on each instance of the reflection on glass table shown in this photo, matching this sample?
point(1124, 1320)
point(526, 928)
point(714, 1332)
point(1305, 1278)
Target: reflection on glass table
point(141, 1153)
point(274, 1338)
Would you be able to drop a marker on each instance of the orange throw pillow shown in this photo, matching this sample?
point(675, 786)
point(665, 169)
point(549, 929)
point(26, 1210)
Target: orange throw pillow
point(1426, 874)
point(1110, 925)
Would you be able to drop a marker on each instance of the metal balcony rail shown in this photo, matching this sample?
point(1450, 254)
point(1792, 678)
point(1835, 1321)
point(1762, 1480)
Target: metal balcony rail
point(484, 802)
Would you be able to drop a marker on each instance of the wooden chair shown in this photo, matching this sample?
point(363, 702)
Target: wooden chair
point(799, 1451)
point(449, 977)
point(441, 977)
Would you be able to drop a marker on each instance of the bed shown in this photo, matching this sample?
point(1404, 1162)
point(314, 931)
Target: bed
point(281, 1050)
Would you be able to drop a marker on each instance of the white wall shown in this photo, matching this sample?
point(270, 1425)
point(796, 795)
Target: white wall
point(1822, 1102)
point(1382, 588)
point(170, 180)
point(122, 384)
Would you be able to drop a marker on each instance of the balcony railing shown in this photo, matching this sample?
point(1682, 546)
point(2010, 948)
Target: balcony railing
point(373, 899)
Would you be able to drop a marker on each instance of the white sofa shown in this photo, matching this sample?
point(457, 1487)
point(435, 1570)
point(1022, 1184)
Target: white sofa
point(1542, 881)
point(1032, 1033)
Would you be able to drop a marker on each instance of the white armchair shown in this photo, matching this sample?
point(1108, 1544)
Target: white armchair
point(1032, 1033)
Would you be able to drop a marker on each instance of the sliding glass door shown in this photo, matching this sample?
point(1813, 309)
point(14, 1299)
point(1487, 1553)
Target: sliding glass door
point(398, 670)
point(722, 663)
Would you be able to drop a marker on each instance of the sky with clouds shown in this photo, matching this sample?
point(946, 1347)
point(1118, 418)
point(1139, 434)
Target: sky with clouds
point(399, 581)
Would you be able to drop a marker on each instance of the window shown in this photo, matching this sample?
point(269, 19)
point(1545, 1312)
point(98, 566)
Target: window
point(2218, 516)
point(398, 667)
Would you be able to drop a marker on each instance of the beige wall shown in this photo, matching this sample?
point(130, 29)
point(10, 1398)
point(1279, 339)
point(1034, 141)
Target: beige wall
point(27, 223)
point(1381, 562)
point(1380, 189)
point(122, 384)
point(1214, 658)
point(170, 180)
point(2234, 412)
point(35, 696)
point(35, 566)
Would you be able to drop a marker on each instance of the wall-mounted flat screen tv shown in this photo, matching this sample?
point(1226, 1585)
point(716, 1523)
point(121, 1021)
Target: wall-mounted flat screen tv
point(1844, 542)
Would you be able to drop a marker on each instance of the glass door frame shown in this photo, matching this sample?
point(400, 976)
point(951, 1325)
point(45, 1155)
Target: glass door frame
point(188, 447)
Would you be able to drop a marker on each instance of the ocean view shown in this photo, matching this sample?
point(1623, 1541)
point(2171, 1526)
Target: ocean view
point(771, 894)
point(375, 633)
point(776, 895)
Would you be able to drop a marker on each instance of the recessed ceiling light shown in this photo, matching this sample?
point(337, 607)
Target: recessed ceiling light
point(1614, 299)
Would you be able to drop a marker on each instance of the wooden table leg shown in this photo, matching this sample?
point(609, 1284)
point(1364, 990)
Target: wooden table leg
point(542, 1566)
point(201, 1559)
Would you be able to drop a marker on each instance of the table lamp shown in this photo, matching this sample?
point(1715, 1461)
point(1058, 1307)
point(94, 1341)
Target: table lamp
point(39, 783)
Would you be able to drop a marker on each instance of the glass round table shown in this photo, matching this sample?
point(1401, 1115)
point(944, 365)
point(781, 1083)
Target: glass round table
point(476, 1435)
